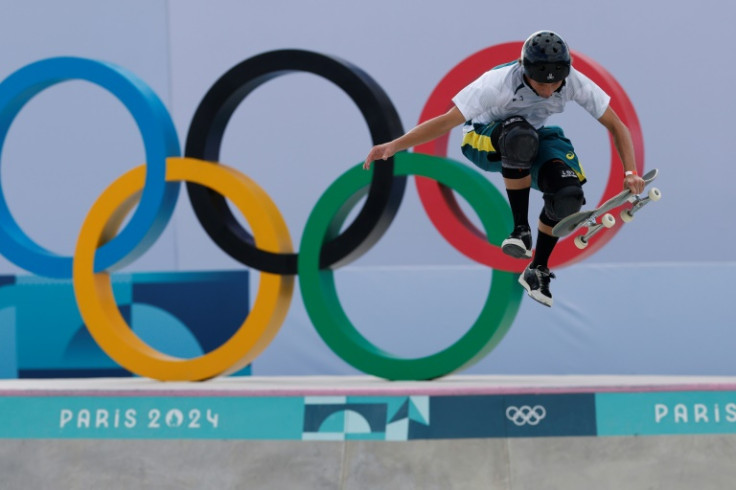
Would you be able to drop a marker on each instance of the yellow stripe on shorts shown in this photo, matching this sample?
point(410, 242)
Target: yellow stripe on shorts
point(478, 142)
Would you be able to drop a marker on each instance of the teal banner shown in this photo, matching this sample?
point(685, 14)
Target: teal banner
point(367, 417)
point(397, 418)
point(151, 417)
point(660, 413)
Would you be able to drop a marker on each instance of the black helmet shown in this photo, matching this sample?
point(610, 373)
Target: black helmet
point(545, 57)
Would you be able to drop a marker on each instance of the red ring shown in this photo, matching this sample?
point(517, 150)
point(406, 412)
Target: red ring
point(439, 201)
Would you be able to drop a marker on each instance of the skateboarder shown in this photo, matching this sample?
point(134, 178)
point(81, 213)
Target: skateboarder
point(503, 113)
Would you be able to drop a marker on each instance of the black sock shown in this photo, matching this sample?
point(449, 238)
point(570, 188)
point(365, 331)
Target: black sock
point(545, 245)
point(519, 202)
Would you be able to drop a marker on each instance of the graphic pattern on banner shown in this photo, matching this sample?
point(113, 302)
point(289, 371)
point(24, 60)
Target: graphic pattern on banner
point(389, 418)
point(385, 418)
point(172, 310)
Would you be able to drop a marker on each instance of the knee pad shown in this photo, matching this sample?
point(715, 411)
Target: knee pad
point(563, 202)
point(518, 143)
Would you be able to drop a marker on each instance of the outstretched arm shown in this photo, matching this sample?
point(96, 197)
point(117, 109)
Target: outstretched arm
point(625, 148)
point(424, 132)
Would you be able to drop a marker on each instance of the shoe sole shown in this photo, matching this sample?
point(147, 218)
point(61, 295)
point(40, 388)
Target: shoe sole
point(516, 251)
point(535, 295)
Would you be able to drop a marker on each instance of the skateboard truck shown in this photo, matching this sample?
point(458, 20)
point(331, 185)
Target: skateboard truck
point(608, 221)
point(627, 215)
point(589, 218)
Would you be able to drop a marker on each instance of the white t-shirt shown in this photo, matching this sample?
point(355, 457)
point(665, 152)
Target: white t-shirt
point(501, 93)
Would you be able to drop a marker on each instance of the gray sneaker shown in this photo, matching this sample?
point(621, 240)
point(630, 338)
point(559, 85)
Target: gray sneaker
point(536, 283)
point(519, 243)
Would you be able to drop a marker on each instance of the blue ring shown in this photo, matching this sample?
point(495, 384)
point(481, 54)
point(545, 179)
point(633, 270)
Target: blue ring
point(158, 197)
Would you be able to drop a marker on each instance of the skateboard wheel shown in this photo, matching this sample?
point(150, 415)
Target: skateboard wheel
point(608, 220)
point(655, 194)
point(626, 216)
point(581, 242)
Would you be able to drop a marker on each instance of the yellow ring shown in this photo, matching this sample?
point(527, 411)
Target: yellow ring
point(94, 291)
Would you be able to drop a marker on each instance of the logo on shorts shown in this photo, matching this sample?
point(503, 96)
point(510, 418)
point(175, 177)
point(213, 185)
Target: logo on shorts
point(570, 155)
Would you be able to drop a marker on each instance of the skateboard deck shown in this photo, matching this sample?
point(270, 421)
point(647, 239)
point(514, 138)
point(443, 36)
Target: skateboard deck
point(590, 218)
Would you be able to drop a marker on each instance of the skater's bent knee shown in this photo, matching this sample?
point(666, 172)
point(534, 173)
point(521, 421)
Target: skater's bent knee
point(563, 202)
point(519, 143)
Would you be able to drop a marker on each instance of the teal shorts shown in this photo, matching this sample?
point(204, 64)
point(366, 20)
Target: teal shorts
point(553, 145)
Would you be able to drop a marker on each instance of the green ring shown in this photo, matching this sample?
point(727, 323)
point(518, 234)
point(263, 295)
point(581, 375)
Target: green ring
point(321, 299)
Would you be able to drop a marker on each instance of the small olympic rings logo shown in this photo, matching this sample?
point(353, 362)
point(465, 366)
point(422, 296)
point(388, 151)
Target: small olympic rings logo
point(105, 245)
point(526, 415)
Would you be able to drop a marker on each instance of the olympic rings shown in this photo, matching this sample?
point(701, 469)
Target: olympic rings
point(160, 139)
point(526, 415)
point(439, 201)
point(208, 127)
point(94, 292)
point(100, 248)
point(318, 286)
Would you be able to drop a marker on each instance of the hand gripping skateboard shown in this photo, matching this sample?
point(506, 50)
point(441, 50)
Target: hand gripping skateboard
point(590, 218)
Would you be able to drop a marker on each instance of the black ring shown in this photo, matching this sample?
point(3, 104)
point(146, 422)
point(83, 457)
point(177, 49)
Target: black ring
point(208, 127)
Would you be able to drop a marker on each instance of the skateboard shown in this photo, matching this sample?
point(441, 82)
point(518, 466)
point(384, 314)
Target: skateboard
point(590, 218)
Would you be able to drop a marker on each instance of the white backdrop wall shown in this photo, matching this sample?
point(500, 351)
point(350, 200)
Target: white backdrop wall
point(652, 301)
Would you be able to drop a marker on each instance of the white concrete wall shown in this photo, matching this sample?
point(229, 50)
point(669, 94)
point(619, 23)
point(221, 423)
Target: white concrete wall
point(570, 463)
